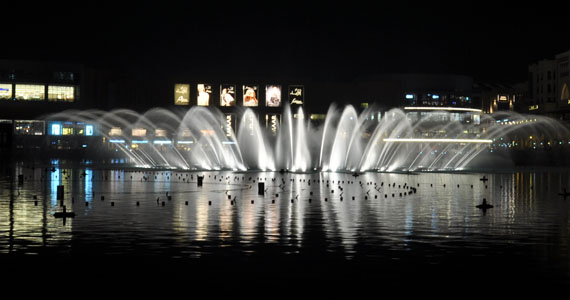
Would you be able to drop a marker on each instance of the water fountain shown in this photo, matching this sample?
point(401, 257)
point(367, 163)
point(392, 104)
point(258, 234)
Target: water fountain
point(347, 141)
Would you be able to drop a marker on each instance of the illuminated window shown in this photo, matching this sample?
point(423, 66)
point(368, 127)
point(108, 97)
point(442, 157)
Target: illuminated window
point(115, 131)
point(88, 130)
point(61, 93)
point(24, 127)
point(5, 91)
point(138, 132)
point(318, 116)
point(160, 133)
point(67, 131)
point(30, 92)
point(55, 129)
point(186, 133)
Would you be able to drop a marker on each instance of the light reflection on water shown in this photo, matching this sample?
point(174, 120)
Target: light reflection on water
point(529, 218)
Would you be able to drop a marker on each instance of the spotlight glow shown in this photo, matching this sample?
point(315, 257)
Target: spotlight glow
point(441, 108)
point(411, 140)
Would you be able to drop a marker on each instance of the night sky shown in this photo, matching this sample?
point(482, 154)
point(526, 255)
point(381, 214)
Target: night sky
point(492, 42)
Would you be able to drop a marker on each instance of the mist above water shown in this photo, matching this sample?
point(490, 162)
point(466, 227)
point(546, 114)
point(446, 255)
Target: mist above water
point(346, 141)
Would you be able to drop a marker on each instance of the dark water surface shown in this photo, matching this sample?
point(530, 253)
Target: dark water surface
point(435, 237)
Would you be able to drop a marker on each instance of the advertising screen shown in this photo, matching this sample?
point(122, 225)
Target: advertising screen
point(227, 95)
point(273, 95)
point(181, 94)
point(272, 123)
point(229, 124)
point(250, 95)
point(204, 93)
point(296, 94)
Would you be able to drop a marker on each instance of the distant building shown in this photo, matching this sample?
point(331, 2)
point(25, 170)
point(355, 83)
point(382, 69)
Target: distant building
point(562, 88)
point(496, 97)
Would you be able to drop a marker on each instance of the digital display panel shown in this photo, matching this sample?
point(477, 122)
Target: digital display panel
point(296, 94)
point(204, 93)
point(229, 124)
point(181, 94)
point(227, 95)
point(273, 95)
point(273, 123)
point(250, 95)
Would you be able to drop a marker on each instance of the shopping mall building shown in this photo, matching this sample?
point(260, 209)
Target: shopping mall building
point(32, 91)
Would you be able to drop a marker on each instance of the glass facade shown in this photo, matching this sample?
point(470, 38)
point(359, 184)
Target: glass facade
point(61, 93)
point(30, 92)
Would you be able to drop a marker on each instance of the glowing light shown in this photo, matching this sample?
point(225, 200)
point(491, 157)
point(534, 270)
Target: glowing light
point(413, 140)
point(140, 142)
point(441, 108)
point(88, 130)
point(185, 142)
point(162, 142)
point(117, 141)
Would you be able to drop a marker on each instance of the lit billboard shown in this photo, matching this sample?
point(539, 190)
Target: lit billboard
point(296, 94)
point(227, 95)
point(273, 123)
point(273, 95)
point(250, 95)
point(204, 93)
point(229, 124)
point(181, 94)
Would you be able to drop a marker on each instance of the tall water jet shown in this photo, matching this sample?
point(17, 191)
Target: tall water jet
point(257, 154)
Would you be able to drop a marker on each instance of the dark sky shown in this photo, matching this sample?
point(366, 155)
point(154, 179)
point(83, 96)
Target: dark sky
point(492, 41)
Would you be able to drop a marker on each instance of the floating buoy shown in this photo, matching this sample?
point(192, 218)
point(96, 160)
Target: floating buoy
point(138, 203)
point(209, 202)
point(112, 203)
point(186, 203)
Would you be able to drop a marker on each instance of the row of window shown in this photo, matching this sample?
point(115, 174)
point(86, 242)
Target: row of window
point(36, 92)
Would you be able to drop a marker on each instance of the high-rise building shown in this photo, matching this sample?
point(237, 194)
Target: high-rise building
point(542, 87)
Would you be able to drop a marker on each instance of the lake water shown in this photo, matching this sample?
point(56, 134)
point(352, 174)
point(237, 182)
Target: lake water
point(303, 227)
